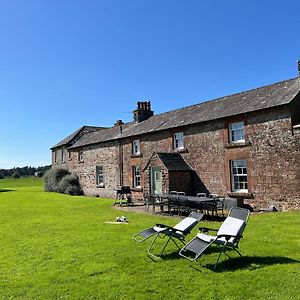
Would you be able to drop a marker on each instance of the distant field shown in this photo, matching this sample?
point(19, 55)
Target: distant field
point(56, 246)
point(21, 182)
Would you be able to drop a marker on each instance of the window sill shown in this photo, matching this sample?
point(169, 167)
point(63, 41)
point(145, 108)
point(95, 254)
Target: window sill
point(184, 150)
point(237, 145)
point(81, 161)
point(240, 195)
point(136, 189)
point(136, 155)
point(100, 186)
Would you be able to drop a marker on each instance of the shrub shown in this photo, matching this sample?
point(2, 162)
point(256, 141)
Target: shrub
point(62, 181)
point(16, 175)
point(70, 185)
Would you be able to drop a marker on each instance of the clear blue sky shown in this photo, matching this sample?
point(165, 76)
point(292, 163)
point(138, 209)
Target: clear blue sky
point(64, 64)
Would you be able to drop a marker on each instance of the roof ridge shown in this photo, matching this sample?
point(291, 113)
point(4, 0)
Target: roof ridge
point(268, 96)
point(223, 97)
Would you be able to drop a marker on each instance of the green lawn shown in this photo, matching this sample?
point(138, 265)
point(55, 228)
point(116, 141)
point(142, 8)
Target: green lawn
point(55, 246)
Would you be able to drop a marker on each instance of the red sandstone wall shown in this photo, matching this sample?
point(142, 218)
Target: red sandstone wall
point(272, 150)
point(106, 156)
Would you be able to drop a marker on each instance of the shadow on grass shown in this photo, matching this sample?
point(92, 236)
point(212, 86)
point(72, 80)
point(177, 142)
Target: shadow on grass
point(237, 263)
point(250, 263)
point(173, 253)
point(6, 190)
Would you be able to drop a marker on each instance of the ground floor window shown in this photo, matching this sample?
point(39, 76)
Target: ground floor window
point(136, 177)
point(99, 176)
point(239, 175)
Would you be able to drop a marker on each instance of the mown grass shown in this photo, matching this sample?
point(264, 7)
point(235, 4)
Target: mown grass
point(55, 246)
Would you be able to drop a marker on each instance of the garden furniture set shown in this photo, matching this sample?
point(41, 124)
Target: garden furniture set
point(227, 237)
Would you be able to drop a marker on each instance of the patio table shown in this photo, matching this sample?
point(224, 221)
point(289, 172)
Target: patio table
point(199, 203)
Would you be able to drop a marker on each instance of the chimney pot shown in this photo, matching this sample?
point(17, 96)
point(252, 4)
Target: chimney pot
point(143, 111)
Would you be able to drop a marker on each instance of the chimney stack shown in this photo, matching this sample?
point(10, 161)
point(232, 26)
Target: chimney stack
point(298, 62)
point(143, 111)
point(119, 123)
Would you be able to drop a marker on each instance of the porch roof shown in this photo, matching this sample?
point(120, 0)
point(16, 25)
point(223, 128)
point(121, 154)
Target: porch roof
point(174, 162)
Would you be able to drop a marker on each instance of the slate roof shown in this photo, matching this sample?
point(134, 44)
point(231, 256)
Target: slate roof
point(273, 95)
point(73, 135)
point(174, 162)
point(103, 136)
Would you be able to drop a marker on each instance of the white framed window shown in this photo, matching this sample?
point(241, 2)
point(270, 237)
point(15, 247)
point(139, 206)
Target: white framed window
point(136, 177)
point(99, 176)
point(178, 140)
point(136, 147)
point(237, 132)
point(62, 155)
point(239, 176)
point(80, 156)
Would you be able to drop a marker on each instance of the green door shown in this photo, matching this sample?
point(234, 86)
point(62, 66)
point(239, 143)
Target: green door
point(156, 180)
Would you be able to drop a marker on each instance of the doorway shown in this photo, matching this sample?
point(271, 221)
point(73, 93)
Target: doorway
point(156, 180)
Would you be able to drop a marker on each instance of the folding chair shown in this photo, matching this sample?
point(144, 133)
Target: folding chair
point(178, 232)
point(227, 237)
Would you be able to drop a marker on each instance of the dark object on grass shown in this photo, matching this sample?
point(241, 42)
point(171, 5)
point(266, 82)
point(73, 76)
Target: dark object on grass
point(272, 208)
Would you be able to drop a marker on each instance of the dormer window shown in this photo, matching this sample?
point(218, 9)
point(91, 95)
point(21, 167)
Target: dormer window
point(136, 147)
point(237, 132)
point(178, 141)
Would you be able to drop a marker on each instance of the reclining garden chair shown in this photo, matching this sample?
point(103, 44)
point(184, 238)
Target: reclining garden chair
point(179, 232)
point(227, 237)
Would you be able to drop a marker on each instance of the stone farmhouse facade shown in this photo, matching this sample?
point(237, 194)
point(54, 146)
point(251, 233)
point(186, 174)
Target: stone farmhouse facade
point(245, 145)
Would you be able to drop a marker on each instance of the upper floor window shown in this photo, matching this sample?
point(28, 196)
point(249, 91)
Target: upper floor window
point(99, 176)
point(237, 132)
point(136, 147)
point(239, 176)
point(136, 177)
point(62, 155)
point(178, 140)
point(80, 156)
point(55, 156)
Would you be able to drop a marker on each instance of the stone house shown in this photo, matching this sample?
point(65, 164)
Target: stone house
point(245, 145)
